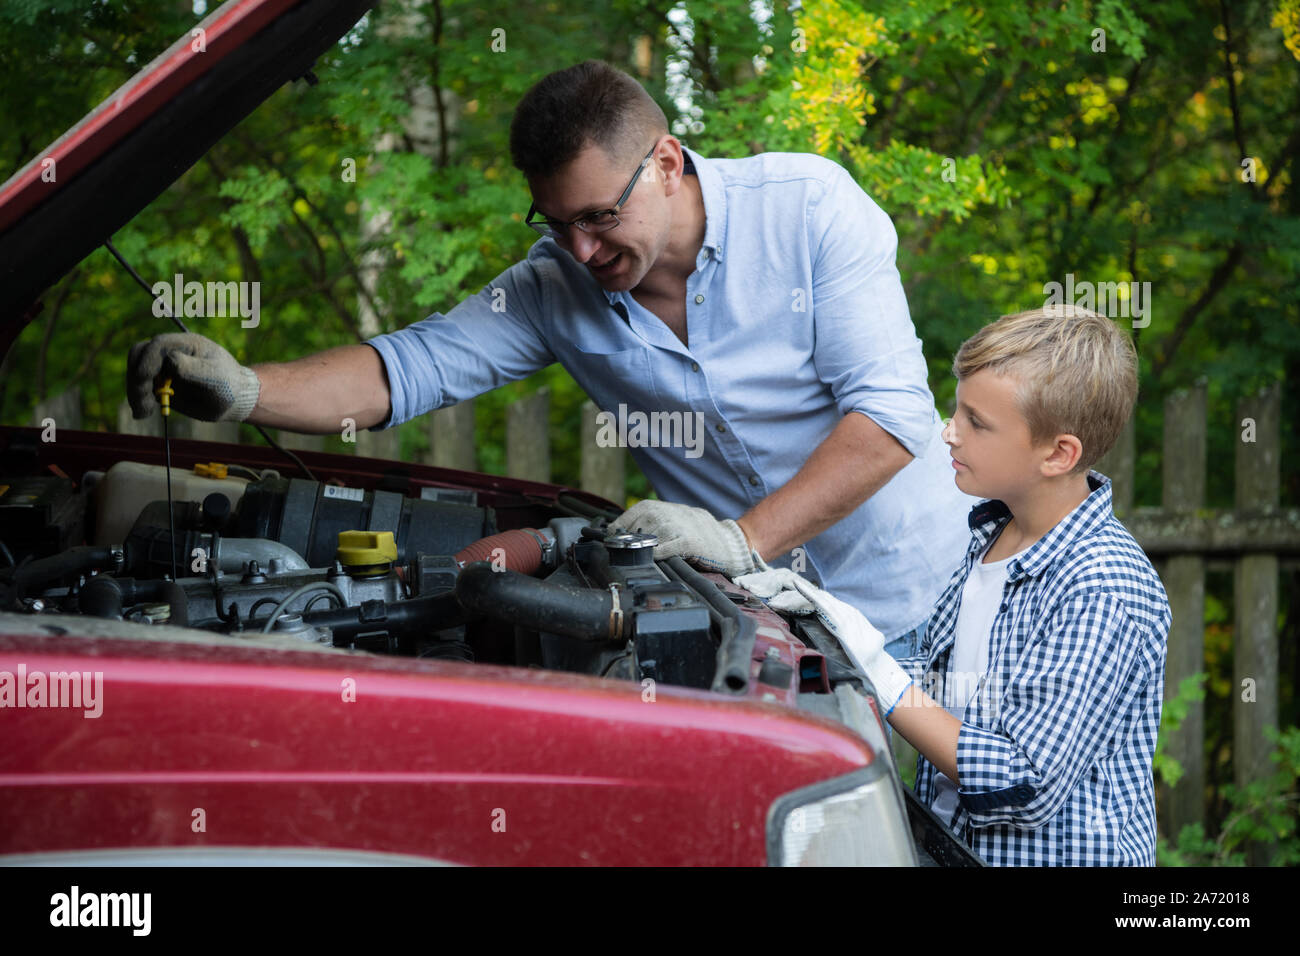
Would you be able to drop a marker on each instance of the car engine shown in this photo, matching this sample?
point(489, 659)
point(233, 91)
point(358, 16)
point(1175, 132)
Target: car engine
point(247, 553)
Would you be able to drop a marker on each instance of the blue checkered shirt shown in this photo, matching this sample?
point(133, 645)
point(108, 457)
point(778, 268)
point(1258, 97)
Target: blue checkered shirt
point(1055, 749)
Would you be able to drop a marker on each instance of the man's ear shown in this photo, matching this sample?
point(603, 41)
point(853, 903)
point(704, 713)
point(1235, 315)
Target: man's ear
point(668, 163)
point(1064, 454)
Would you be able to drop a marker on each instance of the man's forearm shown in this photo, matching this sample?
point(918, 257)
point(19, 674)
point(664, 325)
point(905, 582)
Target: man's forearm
point(316, 393)
point(855, 461)
point(929, 728)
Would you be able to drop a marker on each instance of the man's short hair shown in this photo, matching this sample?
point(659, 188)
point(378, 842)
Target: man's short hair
point(1076, 373)
point(591, 102)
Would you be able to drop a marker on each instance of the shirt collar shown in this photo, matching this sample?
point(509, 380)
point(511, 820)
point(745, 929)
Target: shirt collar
point(715, 210)
point(989, 517)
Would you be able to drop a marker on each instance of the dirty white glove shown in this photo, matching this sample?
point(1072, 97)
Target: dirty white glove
point(861, 640)
point(776, 586)
point(694, 534)
point(864, 644)
point(209, 384)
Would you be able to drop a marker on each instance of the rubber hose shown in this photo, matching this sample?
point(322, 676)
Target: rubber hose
point(57, 567)
point(521, 549)
point(542, 606)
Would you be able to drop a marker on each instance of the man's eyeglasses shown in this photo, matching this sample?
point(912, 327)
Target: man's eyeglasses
point(597, 221)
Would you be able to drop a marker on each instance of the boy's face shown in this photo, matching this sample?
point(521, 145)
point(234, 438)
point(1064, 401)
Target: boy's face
point(992, 452)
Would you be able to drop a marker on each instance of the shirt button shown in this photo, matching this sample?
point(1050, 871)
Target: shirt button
point(695, 366)
point(721, 427)
point(699, 299)
point(1003, 608)
point(753, 479)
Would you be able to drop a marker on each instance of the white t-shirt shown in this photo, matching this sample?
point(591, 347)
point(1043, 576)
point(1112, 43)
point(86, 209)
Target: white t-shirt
point(969, 658)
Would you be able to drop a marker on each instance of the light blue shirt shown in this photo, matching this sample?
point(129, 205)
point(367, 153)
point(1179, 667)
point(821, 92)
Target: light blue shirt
point(795, 318)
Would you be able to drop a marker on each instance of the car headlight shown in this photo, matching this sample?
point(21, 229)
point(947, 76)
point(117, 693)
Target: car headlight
point(854, 820)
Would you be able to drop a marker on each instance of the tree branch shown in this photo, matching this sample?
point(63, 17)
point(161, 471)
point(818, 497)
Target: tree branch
point(992, 105)
point(437, 84)
point(43, 356)
point(1218, 279)
point(1232, 83)
point(349, 261)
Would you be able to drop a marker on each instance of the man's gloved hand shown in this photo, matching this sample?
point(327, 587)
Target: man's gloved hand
point(210, 385)
point(694, 534)
point(861, 640)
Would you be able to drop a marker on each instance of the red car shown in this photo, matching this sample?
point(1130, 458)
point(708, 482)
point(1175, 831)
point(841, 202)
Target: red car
point(361, 660)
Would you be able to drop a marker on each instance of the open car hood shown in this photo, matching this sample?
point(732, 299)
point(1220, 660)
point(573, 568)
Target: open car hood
point(91, 181)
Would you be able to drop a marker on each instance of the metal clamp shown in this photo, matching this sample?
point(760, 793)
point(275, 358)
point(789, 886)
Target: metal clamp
point(615, 613)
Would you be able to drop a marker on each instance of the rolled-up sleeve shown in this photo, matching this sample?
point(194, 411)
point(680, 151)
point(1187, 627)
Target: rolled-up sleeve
point(866, 349)
point(913, 667)
point(1072, 687)
point(487, 340)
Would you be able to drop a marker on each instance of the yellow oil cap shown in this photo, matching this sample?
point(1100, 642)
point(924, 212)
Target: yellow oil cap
point(366, 549)
point(212, 469)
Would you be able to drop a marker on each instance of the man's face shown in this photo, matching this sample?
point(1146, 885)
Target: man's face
point(592, 181)
point(989, 440)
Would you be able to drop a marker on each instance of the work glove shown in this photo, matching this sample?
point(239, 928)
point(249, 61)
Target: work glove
point(864, 644)
point(776, 586)
point(209, 384)
point(695, 535)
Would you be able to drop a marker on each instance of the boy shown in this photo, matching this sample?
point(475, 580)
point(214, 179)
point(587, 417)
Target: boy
point(1047, 650)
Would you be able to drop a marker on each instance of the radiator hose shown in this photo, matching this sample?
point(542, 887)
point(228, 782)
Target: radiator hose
point(556, 608)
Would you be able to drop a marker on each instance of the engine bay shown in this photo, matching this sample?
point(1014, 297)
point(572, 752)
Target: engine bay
point(245, 552)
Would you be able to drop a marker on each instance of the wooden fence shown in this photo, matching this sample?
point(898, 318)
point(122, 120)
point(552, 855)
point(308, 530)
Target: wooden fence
point(1183, 538)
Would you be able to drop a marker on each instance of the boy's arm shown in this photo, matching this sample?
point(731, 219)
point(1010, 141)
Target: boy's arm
point(929, 728)
point(917, 716)
point(1075, 682)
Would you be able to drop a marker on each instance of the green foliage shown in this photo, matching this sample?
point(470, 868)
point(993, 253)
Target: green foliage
point(1168, 771)
point(257, 199)
point(1123, 27)
point(1006, 149)
point(1264, 812)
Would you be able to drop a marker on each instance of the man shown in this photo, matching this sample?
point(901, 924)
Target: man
point(757, 296)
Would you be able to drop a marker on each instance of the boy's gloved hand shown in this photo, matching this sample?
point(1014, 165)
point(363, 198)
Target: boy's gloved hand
point(862, 641)
point(694, 534)
point(210, 385)
point(864, 644)
point(776, 586)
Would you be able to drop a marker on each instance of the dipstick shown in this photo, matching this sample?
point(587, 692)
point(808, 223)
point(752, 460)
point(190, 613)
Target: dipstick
point(165, 394)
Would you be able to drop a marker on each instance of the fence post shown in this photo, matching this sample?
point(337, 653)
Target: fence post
point(1117, 465)
point(300, 442)
point(451, 437)
point(603, 469)
point(384, 444)
point(1184, 580)
point(179, 426)
point(528, 447)
point(128, 424)
point(64, 409)
point(1255, 589)
point(182, 426)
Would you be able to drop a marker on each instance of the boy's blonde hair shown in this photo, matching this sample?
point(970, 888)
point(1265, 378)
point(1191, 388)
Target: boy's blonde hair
point(1077, 373)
